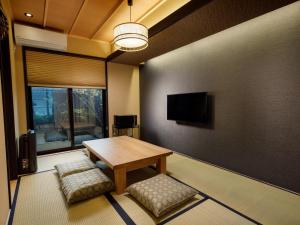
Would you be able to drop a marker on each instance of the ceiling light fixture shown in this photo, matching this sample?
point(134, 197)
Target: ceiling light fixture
point(28, 14)
point(130, 36)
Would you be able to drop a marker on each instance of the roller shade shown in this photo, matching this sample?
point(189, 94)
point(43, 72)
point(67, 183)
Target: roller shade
point(49, 69)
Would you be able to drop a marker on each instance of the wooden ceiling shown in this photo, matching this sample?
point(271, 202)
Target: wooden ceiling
point(92, 19)
point(186, 20)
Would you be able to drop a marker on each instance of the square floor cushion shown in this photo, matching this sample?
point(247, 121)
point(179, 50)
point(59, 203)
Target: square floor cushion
point(85, 185)
point(161, 194)
point(66, 169)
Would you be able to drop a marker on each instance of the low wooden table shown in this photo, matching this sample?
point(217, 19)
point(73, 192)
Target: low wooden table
point(123, 154)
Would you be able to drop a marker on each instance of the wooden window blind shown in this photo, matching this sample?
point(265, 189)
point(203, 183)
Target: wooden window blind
point(55, 70)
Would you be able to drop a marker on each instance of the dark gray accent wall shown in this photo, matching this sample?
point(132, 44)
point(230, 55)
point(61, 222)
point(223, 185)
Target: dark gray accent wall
point(252, 71)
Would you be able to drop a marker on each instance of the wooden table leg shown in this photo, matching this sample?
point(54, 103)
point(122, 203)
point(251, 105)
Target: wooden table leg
point(161, 166)
point(93, 158)
point(120, 179)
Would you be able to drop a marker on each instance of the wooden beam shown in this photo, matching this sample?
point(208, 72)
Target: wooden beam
point(77, 16)
point(45, 13)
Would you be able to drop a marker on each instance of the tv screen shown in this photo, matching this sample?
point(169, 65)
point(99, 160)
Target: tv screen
point(191, 107)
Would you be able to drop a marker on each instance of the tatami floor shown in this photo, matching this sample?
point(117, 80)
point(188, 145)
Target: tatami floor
point(224, 198)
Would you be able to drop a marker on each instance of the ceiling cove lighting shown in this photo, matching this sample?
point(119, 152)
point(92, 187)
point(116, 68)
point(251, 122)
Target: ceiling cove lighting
point(28, 14)
point(130, 36)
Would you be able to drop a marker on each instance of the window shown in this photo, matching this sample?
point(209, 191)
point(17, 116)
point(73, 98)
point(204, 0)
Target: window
point(58, 125)
point(88, 115)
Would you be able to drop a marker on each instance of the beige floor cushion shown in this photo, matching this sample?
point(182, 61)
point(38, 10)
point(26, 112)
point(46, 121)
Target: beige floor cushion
point(85, 185)
point(66, 169)
point(161, 194)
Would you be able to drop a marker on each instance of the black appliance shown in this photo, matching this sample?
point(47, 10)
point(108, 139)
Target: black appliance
point(125, 121)
point(190, 107)
point(27, 153)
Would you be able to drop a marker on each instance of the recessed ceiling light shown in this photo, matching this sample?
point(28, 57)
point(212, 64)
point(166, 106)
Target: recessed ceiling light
point(28, 14)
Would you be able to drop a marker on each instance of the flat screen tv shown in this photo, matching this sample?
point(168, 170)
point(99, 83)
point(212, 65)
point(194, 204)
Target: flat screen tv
point(190, 107)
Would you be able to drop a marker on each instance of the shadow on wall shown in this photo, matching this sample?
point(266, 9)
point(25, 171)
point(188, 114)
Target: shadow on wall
point(211, 116)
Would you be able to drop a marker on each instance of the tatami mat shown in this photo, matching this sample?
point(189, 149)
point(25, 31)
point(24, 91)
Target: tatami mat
point(229, 199)
point(210, 213)
point(262, 202)
point(47, 162)
point(41, 202)
point(201, 212)
point(142, 216)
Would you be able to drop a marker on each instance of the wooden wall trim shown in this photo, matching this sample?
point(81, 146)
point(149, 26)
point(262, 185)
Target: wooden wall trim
point(8, 110)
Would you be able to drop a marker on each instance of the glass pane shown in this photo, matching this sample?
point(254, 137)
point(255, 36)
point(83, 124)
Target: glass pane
point(88, 115)
point(51, 118)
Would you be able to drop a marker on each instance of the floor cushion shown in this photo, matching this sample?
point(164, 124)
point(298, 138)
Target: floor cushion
point(66, 169)
point(160, 194)
point(85, 185)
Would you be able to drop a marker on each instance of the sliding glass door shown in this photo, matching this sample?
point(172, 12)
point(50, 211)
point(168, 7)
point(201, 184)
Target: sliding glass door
point(88, 115)
point(64, 117)
point(50, 116)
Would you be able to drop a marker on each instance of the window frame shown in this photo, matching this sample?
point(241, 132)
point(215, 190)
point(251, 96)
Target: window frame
point(71, 120)
point(29, 105)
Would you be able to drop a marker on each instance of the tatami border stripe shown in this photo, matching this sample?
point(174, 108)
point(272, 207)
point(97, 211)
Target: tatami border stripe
point(119, 209)
point(129, 221)
point(109, 197)
point(29, 174)
point(235, 211)
point(13, 206)
point(182, 211)
point(220, 203)
point(215, 200)
point(126, 218)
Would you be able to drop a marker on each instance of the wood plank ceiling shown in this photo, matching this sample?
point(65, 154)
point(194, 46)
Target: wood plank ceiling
point(92, 19)
point(95, 19)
